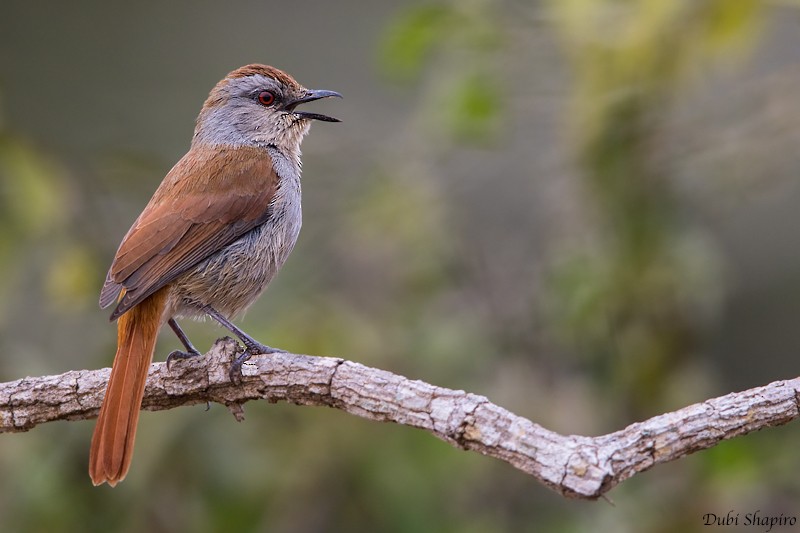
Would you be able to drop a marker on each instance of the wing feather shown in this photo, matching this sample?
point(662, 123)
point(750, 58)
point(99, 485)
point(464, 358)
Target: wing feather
point(209, 199)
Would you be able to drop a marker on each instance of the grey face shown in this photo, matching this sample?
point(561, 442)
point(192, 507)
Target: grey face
point(259, 110)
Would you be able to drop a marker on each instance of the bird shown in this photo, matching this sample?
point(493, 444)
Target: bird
point(214, 234)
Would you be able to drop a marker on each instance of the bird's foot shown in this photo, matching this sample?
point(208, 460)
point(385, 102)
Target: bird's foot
point(251, 348)
point(180, 354)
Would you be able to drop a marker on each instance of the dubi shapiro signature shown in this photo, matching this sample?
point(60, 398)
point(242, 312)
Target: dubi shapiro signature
point(754, 518)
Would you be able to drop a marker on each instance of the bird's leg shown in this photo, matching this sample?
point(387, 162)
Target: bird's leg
point(252, 346)
point(191, 351)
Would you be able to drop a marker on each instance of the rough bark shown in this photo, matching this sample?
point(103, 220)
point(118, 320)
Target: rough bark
point(575, 466)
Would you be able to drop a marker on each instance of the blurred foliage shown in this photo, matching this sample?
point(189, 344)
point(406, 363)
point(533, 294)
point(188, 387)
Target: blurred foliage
point(411, 38)
point(30, 207)
point(30, 192)
point(629, 55)
point(42, 257)
point(469, 94)
point(630, 301)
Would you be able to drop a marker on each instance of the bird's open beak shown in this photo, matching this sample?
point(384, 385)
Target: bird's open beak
point(310, 96)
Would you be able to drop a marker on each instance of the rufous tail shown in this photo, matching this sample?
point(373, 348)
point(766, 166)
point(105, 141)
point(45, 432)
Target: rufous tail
point(112, 443)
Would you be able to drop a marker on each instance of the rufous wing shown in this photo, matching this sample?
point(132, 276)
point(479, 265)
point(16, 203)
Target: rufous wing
point(210, 198)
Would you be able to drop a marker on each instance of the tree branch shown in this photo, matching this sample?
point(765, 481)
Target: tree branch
point(575, 466)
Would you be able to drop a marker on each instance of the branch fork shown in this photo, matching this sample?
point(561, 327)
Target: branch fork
point(572, 465)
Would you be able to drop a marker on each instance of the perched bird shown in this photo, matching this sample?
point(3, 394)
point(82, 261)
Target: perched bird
point(216, 231)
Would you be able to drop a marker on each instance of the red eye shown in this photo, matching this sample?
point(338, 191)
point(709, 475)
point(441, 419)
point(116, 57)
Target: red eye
point(266, 98)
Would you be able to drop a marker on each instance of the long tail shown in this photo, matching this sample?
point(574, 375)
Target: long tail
point(112, 442)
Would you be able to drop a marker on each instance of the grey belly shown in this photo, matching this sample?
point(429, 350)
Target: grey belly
point(233, 278)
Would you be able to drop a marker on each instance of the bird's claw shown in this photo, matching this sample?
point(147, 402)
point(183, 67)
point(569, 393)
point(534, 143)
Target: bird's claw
point(179, 354)
point(251, 349)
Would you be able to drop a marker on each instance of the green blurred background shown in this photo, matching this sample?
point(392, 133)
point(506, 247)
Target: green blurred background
point(586, 210)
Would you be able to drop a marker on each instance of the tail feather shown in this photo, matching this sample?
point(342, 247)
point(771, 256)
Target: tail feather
point(112, 443)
